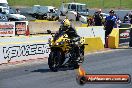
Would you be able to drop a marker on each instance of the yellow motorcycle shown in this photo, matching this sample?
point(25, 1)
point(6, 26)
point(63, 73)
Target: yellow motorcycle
point(64, 52)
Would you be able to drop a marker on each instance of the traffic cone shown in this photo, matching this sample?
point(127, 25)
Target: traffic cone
point(27, 31)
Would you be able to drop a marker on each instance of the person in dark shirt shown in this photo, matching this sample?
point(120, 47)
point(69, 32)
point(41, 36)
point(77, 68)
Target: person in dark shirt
point(130, 16)
point(98, 18)
point(126, 19)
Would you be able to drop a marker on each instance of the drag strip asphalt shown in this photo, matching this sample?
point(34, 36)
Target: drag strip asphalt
point(39, 75)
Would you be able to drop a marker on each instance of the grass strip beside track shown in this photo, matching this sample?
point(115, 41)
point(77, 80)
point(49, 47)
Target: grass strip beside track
point(90, 3)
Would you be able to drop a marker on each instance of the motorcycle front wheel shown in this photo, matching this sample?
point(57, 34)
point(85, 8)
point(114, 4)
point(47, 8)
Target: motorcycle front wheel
point(54, 60)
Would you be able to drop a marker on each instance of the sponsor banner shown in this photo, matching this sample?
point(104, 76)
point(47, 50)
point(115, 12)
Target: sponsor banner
point(83, 78)
point(105, 78)
point(21, 27)
point(7, 28)
point(23, 49)
point(124, 35)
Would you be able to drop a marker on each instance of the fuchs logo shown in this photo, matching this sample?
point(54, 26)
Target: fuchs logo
point(24, 50)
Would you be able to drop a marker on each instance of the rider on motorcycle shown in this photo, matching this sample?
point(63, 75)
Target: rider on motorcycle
point(71, 32)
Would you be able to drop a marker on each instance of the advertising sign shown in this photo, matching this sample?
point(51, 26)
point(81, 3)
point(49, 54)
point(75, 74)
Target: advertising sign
point(7, 28)
point(25, 51)
point(20, 28)
point(124, 35)
point(18, 48)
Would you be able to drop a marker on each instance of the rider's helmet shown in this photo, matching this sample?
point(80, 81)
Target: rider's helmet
point(66, 23)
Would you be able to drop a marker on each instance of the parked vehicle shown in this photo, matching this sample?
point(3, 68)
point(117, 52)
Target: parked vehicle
point(77, 7)
point(4, 6)
point(12, 16)
point(3, 18)
point(74, 11)
point(43, 12)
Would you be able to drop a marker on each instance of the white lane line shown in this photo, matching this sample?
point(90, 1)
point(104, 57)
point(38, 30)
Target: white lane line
point(103, 51)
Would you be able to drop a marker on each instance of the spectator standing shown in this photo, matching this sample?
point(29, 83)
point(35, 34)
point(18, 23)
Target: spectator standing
point(77, 16)
point(18, 11)
point(130, 16)
point(118, 22)
point(126, 19)
point(130, 42)
point(110, 22)
point(90, 21)
point(98, 18)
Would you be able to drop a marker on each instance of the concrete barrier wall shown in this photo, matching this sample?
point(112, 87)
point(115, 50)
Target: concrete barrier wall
point(23, 48)
point(119, 37)
point(94, 44)
point(32, 47)
point(41, 26)
point(113, 39)
point(93, 31)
